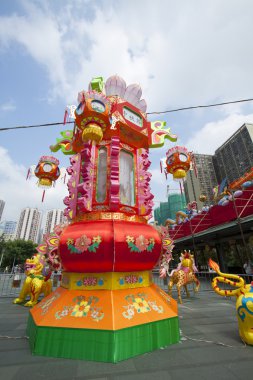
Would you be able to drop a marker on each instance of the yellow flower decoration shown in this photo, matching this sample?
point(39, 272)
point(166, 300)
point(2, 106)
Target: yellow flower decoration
point(130, 239)
point(70, 241)
point(141, 305)
point(97, 239)
point(81, 309)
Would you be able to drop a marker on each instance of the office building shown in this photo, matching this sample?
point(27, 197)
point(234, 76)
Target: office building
point(8, 229)
point(235, 157)
point(29, 224)
point(200, 181)
point(53, 218)
point(192, 188)
point(2, 204)
point(167, 210)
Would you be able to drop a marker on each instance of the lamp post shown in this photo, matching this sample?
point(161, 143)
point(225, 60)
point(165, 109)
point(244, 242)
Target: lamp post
point(2, 256)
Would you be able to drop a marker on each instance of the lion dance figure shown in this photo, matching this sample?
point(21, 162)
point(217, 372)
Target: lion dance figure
point(184, 274)
point(38, 270)
point(244, 301)
point(35, 282)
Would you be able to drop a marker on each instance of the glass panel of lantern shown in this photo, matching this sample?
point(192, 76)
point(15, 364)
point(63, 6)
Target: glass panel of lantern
point(126, 178)
point(101, 175)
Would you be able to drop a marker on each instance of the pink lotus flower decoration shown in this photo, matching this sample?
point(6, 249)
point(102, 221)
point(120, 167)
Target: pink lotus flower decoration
point(141, 243)
point(83, 243)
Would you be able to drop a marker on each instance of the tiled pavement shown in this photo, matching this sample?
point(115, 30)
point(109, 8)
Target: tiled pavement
point(210, 348)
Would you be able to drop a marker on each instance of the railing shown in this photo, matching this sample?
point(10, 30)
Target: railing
point(11, 284)
point(205, 279)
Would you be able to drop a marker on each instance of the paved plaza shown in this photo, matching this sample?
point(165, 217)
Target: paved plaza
point(210, 348)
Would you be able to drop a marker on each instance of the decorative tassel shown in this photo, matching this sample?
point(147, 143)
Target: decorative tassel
point(65, 116)
point(181, 188)
point(43, 196)
point(64, 180)
point(161, 167)
point(28, 174)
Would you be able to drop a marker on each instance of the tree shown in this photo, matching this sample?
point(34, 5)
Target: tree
point(16, 251)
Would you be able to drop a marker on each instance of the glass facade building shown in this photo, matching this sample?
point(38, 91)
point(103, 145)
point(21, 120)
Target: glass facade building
point(235, 157)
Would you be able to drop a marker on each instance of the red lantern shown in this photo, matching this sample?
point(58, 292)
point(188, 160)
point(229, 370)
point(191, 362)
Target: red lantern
point(47, 171)
point(178, 162)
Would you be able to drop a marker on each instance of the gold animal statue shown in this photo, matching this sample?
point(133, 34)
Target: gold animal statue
point(244, 301)
point(183, 275)
point(35, 283)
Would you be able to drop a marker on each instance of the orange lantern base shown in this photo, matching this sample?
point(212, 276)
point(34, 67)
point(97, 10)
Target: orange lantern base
point(107, 325)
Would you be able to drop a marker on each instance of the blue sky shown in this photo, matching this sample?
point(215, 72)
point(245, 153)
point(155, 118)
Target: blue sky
point(182, 54)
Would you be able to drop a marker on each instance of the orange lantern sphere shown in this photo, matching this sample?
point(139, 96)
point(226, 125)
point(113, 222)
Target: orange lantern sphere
point(47, 171)
point(178, 162)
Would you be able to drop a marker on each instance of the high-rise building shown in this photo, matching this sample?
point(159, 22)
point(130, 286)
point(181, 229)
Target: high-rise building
point(235, 157)
point(167, 210)
point(53, 218)
point(176, 203)
point(204, 182)
point(29, 224)
point(192, 188)
point(8, 229)
point(2, 204)
point(206, 174)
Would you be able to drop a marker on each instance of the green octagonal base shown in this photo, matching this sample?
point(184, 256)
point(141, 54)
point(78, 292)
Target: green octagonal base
point(101, 345)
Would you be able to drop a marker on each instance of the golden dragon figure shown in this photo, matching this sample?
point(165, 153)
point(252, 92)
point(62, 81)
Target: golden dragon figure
point(244, 301)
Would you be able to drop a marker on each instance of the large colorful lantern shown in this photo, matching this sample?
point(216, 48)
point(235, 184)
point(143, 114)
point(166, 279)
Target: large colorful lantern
point(107, 297)
point(47, 171)
point(178, 162)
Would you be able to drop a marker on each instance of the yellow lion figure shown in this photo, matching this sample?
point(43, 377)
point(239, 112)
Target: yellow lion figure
point(244, 301)
point(35, 283)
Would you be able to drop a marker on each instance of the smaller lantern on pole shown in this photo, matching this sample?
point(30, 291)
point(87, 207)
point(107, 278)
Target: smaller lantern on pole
point(178, 162)
point(47, 171)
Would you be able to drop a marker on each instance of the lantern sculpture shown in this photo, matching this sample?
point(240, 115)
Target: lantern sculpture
point(178, 162)
point(47, 171)
point(107, 307)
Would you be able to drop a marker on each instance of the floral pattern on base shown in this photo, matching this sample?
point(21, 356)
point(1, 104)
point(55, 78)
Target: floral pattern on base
point(130, 279)
point(90, 281)
point(84, 307)
point(45, 304)
point(140, 304)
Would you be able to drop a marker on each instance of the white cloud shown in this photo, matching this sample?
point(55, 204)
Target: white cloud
point(181, 53)
point(209, 138)
point(19, 193)
point(8, 106)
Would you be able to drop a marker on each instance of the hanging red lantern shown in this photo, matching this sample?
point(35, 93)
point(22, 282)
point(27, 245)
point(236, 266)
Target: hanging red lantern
point(47, 171)
point(178, 162)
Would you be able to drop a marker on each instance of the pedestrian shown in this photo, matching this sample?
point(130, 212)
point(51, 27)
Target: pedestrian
point(248, 267)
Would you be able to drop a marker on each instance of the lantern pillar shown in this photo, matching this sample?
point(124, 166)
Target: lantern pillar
point(107, 307)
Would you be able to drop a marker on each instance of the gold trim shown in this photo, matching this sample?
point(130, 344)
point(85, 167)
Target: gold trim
point(106, 280)
point(109, 216)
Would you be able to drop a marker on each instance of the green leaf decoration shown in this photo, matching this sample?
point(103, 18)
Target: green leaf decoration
point(73, 249)
point(133, 247)
point(150, 247)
